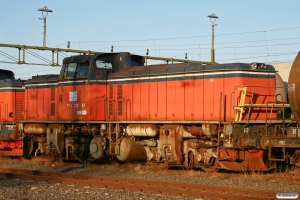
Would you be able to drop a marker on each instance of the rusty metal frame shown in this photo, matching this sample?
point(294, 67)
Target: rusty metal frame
point(276, 159)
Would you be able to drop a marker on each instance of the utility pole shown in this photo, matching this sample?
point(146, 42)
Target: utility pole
point(213, 18)
point(46, 10)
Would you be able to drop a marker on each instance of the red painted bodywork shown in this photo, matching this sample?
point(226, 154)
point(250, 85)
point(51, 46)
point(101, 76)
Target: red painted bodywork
point(11, 148)
point(11, 113)
point(191, 100)
point(201, 99)
point(38, 103)
point(88, 102)
point(11, 102)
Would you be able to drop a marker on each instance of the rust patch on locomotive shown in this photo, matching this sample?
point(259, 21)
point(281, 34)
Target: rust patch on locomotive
point(243, 160)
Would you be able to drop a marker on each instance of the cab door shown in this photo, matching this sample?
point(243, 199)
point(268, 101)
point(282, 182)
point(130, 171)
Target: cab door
point(74, 93)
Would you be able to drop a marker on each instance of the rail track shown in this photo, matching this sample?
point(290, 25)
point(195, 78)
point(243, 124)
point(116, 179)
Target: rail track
point(138, 185)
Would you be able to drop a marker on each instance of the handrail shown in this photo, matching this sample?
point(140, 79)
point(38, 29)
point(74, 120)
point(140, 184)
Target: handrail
point(241, 105)
point(1, 110)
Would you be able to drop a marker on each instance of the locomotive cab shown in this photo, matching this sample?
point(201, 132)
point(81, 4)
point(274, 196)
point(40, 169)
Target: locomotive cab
point(93, 67)
point(71, 102)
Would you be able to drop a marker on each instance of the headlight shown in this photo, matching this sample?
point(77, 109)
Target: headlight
point(264, 66)
point(258, 66)
point(253, 66)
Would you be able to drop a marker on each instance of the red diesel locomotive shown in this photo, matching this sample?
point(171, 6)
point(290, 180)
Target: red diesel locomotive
point(229, 116)
point(11, 108)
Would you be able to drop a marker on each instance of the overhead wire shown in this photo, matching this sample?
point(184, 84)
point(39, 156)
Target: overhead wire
point(172, 38)
point(8, 56)
point(38, 56)
point(267, 45)
point(290, 53)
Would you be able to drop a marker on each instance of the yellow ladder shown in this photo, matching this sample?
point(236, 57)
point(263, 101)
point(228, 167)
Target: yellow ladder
point(240, 108)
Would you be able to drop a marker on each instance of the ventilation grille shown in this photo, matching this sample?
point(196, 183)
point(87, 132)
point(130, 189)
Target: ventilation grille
point(120, 92)
point(52, 94)
point(19, 110)
point(111, 92)
point(20, 106)
point(120, 96)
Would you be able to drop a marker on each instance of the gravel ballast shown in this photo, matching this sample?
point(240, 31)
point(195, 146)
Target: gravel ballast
point(22, 189)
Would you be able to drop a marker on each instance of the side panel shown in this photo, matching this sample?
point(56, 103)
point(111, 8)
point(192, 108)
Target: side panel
point(218, 82)
point(40, 104)
point(74, 101)
point(6, 105)
point(209, 95)
point(171, 99)
point(145, 99)
point(179, 99)
point(136, 101)
point(189, 97)
point(153, 96)
point(30, 102)
point(161, 99)
point(11, 105)
point(97, 103)
point(198, 97)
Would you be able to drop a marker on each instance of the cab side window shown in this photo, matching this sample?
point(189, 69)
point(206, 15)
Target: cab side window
point(73, 70)
point(103, 64)
point(102, 67)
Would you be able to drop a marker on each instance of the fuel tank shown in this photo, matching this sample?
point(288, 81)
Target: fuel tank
point(35, 129)
point(294, 88)
point(130, 150)
point(142, 130)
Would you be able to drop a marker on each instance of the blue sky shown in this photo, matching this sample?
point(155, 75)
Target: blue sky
point(247, 31)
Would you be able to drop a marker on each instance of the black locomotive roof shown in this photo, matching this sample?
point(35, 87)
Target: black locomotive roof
point(6, 74)
point(43, 78)
point(164, 69)
point(82, 58)
point(7, 79)
point(10, 83)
